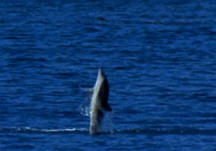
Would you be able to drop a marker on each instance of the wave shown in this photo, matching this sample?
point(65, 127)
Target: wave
point(145, 131)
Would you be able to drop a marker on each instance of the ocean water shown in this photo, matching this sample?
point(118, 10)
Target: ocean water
point(159, 57)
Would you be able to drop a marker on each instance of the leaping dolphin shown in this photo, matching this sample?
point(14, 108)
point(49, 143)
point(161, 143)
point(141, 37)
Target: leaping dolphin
point(99, 102)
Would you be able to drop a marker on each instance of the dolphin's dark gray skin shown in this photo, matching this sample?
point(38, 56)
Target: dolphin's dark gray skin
point(99, 102)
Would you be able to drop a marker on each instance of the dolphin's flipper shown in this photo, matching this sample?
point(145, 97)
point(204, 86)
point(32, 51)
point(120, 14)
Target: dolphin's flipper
point(107, 107)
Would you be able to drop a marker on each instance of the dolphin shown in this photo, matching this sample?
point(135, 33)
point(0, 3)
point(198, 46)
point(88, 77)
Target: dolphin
point(99, 102)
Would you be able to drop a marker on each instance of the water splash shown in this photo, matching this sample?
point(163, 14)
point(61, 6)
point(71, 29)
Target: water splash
point(85, 109)
point(85, 106)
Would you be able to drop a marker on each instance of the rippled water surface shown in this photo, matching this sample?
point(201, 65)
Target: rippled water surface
point(159, 57)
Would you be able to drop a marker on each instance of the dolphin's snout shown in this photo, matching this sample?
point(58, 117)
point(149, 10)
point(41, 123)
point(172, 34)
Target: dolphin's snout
point(100, 72)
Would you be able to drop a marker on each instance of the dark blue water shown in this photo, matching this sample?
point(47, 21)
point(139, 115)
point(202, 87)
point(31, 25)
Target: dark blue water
point(159, 57)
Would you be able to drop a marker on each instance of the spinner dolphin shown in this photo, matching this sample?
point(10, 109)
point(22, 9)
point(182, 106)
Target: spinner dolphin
point(99, 102)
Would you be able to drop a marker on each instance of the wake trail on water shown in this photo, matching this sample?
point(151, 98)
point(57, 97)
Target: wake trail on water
point(37, 130)
point(142, 131)
point(167, 131)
